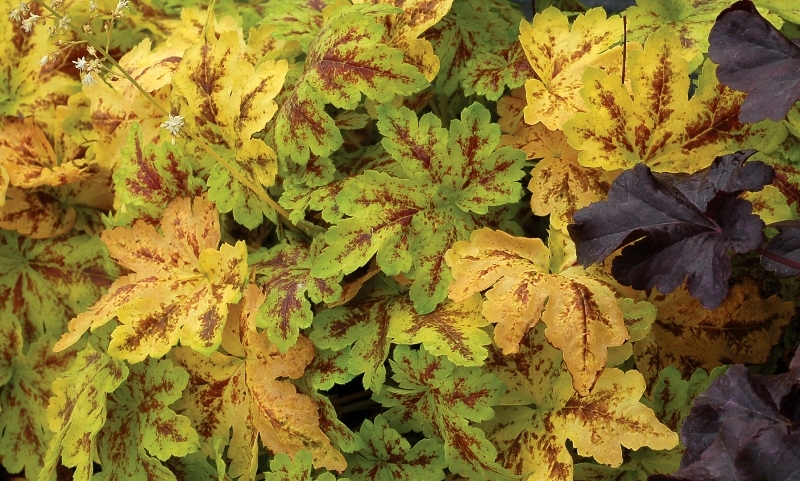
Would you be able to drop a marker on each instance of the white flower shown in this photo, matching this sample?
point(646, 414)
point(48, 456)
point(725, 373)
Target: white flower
point(88, 79)
point(122, 4)
point(44, 60)
point(15, 15)
point(93, 6)
point(80, 64)
point(64, 22)
point(29, 22)
point(174, 124)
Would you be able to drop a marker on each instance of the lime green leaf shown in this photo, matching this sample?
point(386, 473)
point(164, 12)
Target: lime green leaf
point(388, 456)
point(283, 468)
point(77, 410)
point(299, 21)
point(148, 177)
point(441, 400)
point(284, 275)
point(348, 58)
point(24, 398)
point(488, 73)
point(56, 280)
point(141, 430)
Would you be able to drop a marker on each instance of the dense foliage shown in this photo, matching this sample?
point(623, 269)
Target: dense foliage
point(399, 240)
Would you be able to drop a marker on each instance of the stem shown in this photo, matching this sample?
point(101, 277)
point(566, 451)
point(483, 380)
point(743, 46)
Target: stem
point(778, 258)
point(305, 226)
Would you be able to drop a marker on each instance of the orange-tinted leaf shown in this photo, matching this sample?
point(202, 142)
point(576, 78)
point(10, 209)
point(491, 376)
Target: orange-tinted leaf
point(180, 287)
point(686, 335)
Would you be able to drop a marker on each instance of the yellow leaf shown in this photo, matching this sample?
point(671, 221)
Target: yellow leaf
point(581, 313)
point(559, 55)
point(179, 289)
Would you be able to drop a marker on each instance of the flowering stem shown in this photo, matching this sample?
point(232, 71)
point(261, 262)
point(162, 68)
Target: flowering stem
point(307, 227)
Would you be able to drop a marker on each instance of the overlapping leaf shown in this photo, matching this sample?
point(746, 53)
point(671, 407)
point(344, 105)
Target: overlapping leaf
point(45, 283)
point(243, 391)
point(282, 468)
point(227, 111)
point(148, 177)
point(28, 376)
point(658, 125)
point(447, 178)
point(284, 275)
point(581, 313)
point(388, 456)
point(559, 55)
point(688, 336)
point(531, 440)
point(348, 58)
point(141, 430)
point(180, 287)
point(442, 400)
point(77, 411)
point(489, 74)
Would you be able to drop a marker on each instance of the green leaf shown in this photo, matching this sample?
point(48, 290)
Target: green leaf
point(284, 275)
point(442, 400)
point(141, 429)
point(24, 398)
point(78, 408)
point(283, 468)
point(148, 177)
point(388, 456)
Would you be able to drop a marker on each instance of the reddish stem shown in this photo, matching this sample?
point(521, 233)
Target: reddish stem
point(778, 258)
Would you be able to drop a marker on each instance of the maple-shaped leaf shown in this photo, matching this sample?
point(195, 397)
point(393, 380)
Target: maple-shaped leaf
point(742, 427)
point(245, 391)
point(531, 439)
point(282, 468)
point(28, 375)
point(581, 313)
point(404, 29)
point(77, 411)
point(388, 456)
point(489, 73)
point(141, 430)
point(348, 58)
point(658, 125)
point(686, 335)
point(284, 275)
point(770, 204)
point(560, 54)
point(45, 283)
point(148, 177)
point(765, 62)
point(180, 286)
point(228, 99)
point(28, 88)
point(298, 21)
point(683, 226)
point(785, 244)
point(448, 180)
point(442, 401)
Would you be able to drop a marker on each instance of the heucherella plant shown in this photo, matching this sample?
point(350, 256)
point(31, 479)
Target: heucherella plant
point(378, 240)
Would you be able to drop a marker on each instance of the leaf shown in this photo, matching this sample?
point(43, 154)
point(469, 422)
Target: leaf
point(388, 456)
point(78, 409)
point(742, 329)
point(683, 226)
point(282, 468)
point(284, 275)
point(180, 287)
point(739, 429)
point(658, 125)
point(447, 180)
point(581, 313)
point(24, 396)
point(764, 60)
point(141, 430)
point(488, 73)
point(770, 204)
point(148, 177)
point(348, 58)
point(559, 55)
point(531, 440)
point(45, 283)
point(296, 21)
point(441, 400)
point(784, 244)
point(245, 392)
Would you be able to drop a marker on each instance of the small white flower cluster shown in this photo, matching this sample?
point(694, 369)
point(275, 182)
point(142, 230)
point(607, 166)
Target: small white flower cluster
point(117, 13)
point(174, 125)
point(18, 15)
point(87, 68)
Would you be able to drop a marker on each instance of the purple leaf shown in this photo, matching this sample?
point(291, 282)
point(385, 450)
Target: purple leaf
point(756, 58)
point(785, 244)
point(680, 226)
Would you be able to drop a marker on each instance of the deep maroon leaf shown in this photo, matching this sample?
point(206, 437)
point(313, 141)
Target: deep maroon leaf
point(754, 57)
point(785, 244)
point(744, 428)
point(683, 225)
